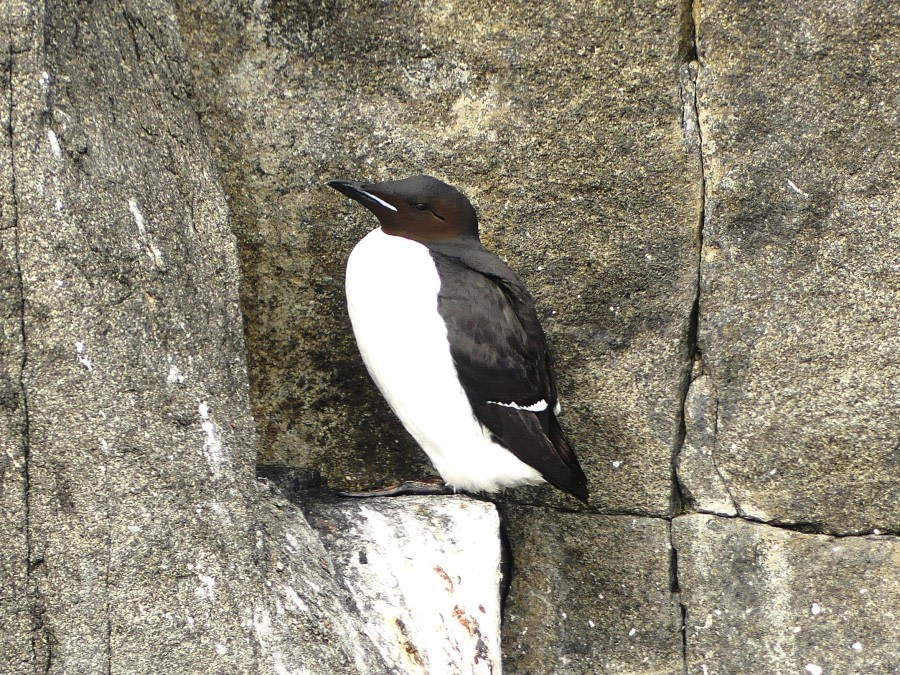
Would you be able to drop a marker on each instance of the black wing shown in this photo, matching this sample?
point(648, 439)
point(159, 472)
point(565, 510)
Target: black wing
point(501, 357)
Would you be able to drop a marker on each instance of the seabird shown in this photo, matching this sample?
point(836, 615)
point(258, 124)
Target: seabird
point(451, 338)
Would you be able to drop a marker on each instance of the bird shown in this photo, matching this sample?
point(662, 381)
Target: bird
point(452, 339)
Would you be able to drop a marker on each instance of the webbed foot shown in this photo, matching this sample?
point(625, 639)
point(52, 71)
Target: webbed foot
point(430, 485)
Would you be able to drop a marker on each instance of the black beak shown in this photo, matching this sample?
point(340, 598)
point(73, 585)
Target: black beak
point(360, 192)
point(351, 188)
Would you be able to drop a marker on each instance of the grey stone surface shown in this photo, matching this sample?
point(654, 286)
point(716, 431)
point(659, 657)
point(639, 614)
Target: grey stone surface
point(135, 539)
point(703, 485)
point(135, 536)
point(131, 474)
point(16, 617)
point(302, 617)
point(590, 594)
point(799, 327)
point(424, 572)
point(566, 134)
point(763, 599)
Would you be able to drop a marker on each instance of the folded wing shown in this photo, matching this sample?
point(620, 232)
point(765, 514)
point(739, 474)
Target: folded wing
point(501, 357)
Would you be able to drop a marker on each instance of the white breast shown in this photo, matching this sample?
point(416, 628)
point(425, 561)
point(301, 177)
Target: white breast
point(392, 296)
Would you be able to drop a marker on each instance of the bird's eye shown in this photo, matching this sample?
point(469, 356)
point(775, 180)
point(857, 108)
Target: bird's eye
point(421, 207)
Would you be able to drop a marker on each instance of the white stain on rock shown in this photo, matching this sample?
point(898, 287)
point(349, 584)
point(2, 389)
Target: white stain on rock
point(174, 376)
point(294, 599)
point(793, 186)
point(262, 624)
point(212, 446)
point(80, 351)
point(426, 574)
point(262, 627)
point(55, 148)
point(219, 510)
point(146, 239)
point(207, 587)
point(138, 217)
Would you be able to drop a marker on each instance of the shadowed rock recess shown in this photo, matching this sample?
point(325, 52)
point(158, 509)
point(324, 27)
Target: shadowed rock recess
point(704, 201)
point(568, 141)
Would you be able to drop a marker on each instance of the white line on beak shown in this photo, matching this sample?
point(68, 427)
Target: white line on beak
point(379, 200)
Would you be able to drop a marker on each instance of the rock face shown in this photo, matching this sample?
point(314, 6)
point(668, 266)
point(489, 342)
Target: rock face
point(425, 573)
point(124, 464)
point(590, 594)
point(301, 619)
point(704, 201)
point(764, 599)
point(703, 485)
point(799, 328)
point(569, 143)
point(135, 537)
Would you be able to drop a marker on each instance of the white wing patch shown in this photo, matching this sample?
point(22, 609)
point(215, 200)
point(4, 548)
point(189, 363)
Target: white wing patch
point(540, 406)
point(379, 200)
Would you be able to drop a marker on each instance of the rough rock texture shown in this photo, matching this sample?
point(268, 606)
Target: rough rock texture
point(425, 574)
point(590, 594)
point(702, 483)
point(569, 142)
point(763, 599)
point(799, 326)
point(128, 422)
point(302, 618)
point(135, 539)
point(16, 621)
point(578, 133)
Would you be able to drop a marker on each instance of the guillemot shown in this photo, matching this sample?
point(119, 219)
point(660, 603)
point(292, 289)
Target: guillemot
point(452, 340)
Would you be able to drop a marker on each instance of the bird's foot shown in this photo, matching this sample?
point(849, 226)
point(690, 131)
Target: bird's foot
point(430, 485)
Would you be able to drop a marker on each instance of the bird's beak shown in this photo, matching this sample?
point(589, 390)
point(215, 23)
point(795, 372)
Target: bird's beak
point(364, 193)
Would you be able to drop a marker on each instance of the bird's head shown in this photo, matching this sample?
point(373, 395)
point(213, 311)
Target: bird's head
point(420, 208)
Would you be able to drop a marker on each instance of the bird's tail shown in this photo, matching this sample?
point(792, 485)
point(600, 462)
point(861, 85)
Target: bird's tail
point(578, 484)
